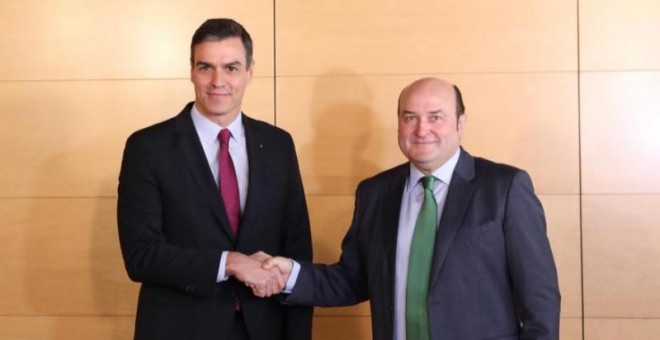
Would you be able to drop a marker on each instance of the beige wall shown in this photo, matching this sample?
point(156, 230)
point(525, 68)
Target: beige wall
point(566, 89)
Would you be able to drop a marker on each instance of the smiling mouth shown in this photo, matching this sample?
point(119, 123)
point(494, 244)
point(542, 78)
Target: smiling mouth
point(218, 95)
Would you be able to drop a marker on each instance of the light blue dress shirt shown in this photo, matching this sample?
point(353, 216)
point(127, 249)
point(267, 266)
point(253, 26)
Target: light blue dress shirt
point(411, 203)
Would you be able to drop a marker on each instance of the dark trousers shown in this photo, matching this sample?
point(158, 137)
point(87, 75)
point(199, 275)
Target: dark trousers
point(238, 330)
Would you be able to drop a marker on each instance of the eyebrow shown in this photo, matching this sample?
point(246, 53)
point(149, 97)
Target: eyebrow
point(202, 63)
point(233, 63)
point(206, 63)
point(406, 112)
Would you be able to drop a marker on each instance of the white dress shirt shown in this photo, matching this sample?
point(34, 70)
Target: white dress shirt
point(208, 132)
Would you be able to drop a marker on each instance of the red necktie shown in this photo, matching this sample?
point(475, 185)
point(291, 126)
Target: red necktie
point(228, 181)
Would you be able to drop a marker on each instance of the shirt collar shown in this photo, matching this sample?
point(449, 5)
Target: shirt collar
point(443, 173)
point(208, 130)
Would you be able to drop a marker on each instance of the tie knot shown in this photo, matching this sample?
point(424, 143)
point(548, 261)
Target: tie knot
point(225, 134)
point(427, 182)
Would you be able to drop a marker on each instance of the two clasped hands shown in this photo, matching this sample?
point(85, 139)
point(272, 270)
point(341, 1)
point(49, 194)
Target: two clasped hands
point(266, 275)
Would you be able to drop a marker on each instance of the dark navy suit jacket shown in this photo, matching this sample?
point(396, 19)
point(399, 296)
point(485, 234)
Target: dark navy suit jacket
point(493, 274)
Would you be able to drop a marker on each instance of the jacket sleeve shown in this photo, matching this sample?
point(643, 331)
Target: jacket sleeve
point(148, 257)
point(339, 284)
point(531, 264)
point(298, 246)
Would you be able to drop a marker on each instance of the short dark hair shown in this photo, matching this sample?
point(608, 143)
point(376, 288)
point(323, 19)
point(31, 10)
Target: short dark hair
point(221, 29)
point(460, 107)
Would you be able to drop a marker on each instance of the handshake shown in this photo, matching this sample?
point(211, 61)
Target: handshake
point(266, 275)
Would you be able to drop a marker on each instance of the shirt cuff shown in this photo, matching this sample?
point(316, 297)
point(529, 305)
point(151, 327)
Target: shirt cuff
point(222, 273)
point(291, 282)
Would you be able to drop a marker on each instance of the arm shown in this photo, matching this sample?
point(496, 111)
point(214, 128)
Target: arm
point(297, 245)
point(148, 257)
point(531, 263)
point(339, 284)
point(248, 269)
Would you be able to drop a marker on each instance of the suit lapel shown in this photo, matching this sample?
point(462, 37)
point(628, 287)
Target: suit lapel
point(192, 152)
point(460, 192)
point(257, 177)
point(391, 210)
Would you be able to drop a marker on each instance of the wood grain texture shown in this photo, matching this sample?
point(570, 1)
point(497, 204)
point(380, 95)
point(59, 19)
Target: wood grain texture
point(65, 139)
point(62, 257)
point(66, 327)
point(617, 329)
point(424, 37)
point(619, 35)
point(563, 219)
point(122, 39)
point(621, 252)
point(345, 128)
point(620, 120)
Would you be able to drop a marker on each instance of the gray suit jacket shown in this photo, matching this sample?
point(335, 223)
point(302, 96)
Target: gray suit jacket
point(493, 273)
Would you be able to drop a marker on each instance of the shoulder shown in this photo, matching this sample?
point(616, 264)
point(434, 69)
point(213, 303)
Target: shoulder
point(385, 179)
point(156, 135)
point(500, 175)
point(156, 129)
point(485, 167)
point(163, 131)
point(262, 130)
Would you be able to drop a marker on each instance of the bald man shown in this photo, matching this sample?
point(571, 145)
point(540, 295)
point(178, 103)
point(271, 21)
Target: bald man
point(488, 272)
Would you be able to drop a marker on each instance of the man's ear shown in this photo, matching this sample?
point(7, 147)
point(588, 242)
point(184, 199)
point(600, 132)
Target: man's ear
point(462, 121)
point(250, 70)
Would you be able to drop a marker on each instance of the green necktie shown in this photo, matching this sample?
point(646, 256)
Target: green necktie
point(419, 266)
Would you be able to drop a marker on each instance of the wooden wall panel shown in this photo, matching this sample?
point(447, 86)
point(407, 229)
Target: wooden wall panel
point(617, 329)
point(570, 329)
point(122, 39)
point(345, 127)
point(422, 37)
point(563, 219)
point(121, 327)
point(66, 327)
point(620, 162)
point(619, 35)
point(342, 327)
point(621, 252)
point(620, 120)
point(62, 257)
point(359, 328)
point(529, 121)
point(330, 217)
point(66, 138)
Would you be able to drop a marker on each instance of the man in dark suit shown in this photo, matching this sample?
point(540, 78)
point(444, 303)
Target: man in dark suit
point(483, 270)
point(199, 191)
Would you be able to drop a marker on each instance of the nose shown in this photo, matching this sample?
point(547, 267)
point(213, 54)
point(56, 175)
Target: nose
point(217, 79)
point(421, 129)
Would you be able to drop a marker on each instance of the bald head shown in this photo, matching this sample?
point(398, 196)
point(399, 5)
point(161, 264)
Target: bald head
point(430, 86)
point(431, 123)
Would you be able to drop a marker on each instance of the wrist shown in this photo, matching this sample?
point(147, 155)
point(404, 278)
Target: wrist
point(231, 264)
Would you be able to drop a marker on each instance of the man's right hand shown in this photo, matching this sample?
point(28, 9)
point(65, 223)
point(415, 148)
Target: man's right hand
point(263, 282)
point(283, 264)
